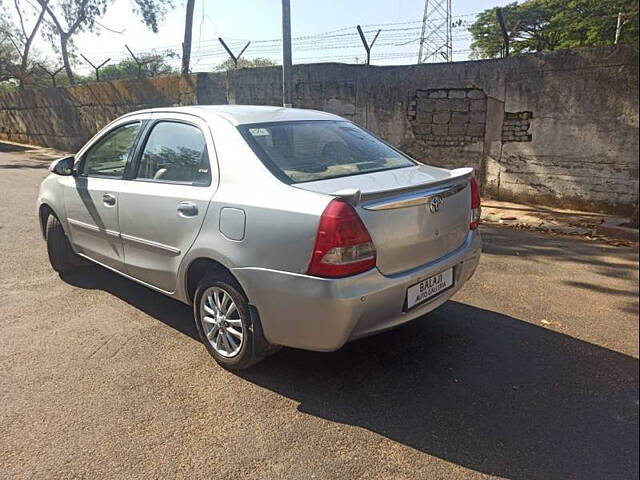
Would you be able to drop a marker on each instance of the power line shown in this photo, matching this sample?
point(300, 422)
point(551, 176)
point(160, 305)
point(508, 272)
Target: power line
point(333, 34)
point(342, 44)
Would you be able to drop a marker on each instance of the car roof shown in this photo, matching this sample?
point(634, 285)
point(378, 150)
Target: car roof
point(244, 114)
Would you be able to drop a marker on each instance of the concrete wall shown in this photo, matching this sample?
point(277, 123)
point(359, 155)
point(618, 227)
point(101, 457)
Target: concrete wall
point(559, 128)
point(66, 118)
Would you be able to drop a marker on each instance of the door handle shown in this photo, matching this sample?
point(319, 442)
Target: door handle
point(187, 209)
point(109, 199)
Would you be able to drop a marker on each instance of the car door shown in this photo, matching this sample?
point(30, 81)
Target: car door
point(163, 204)
point(91, 194)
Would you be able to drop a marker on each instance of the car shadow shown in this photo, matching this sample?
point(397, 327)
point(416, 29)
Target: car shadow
point(474, 387)
point(483, 390)
point(27, 157)
point(13, 147)
point(24, 165)
point(170, 312)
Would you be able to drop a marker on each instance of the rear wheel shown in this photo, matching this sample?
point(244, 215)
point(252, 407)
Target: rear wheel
point(231, 334)
point(61, 256)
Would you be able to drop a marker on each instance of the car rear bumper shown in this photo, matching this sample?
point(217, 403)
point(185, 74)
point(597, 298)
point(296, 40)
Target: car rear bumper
point(312, 313)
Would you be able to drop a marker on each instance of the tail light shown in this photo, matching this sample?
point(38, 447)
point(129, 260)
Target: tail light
point(343, 245)
point(475, 204)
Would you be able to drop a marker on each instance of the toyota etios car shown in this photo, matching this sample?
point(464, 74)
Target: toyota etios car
point(280, 226)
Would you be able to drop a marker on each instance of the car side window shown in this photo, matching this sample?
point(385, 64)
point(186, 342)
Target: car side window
point(108, 156)
point(175, 153)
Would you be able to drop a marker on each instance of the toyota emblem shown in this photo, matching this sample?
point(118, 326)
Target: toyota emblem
point(435, 204)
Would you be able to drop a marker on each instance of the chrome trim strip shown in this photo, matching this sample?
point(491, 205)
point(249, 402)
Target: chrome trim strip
point(93, 228)
point(148, 243)
point(415, 198)
point(129, 238)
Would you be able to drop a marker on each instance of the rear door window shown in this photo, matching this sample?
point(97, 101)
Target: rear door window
point(175, 153)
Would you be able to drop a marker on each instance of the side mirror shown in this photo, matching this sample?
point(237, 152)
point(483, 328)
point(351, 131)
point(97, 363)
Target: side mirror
point(62, 166)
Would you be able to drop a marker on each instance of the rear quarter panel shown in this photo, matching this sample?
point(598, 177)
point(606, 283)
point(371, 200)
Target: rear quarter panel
point(280, 228)
point(280, 220)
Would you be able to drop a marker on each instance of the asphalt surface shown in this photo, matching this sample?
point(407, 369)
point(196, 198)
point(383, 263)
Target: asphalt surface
point(531, 371)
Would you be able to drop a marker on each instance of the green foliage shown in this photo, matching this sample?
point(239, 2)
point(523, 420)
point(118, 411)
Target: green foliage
point(8, 68)
point(485, 31)
point(10, 62)
point(151, 11)
point(153, 65)
point(41, 78)
point(245, 63)
point(593, 22)
point(543, 25)
point(9, 59)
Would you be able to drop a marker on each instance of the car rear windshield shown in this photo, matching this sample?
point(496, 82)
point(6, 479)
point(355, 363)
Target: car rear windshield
point(305, 151)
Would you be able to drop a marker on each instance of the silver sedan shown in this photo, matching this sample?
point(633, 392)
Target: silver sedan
point(282, 227)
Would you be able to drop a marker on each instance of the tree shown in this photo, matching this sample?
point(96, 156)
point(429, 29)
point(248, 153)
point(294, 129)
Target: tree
point(8, 59)
point(10, 72)
point(245, 63)
point(8, 55)
point(68, 17)
point(22, 37)
point(543, 25)
point(78, 16)
point(14, 72)
point(593, 22)
point(528, 25)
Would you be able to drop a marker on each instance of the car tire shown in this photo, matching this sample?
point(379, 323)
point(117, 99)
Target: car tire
point(61, 256)
point(253, 346)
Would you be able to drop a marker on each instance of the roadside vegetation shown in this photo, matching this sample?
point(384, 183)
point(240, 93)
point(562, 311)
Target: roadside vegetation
point(545, 25)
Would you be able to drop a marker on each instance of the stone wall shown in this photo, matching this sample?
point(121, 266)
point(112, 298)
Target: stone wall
point(515, 127)
point(559, 129)
point(453, 117)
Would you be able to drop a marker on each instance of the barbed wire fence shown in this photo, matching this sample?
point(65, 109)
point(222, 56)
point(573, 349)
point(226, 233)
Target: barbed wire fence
point(395, 42)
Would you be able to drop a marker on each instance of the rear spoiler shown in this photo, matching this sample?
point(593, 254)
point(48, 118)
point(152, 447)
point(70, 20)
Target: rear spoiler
point(350, 195)
point(418, 195)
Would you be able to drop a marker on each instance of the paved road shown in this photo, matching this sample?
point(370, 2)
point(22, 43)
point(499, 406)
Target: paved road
point(530, 372)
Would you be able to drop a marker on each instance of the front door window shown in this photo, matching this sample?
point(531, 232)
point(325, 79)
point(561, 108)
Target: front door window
point(108, 156)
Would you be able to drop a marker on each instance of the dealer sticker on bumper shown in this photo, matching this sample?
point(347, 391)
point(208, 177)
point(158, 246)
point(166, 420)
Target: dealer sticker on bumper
point(429, 288)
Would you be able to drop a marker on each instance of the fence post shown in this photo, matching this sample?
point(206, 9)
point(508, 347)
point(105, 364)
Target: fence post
point(503, 28)
point(367, 46)
point(51, 74)
point(138, 62)
point(96, 68)
point(234, 58)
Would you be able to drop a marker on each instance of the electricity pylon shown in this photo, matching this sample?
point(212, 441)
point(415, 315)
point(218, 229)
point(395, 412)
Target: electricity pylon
point(435, 38)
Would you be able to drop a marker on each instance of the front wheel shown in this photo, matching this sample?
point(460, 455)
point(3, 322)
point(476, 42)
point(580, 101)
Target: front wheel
point(61, 256)
point(225, 324)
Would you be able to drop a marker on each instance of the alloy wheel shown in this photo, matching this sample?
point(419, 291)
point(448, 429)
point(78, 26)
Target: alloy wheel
point(221, 322)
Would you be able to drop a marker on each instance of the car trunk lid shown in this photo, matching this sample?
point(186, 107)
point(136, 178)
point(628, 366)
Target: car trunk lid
point(398, 209)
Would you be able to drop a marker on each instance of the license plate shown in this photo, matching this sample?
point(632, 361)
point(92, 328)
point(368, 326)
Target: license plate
point(429, 288)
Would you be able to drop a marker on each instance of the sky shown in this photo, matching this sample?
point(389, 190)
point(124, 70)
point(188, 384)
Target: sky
point(259, 21)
